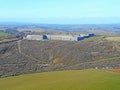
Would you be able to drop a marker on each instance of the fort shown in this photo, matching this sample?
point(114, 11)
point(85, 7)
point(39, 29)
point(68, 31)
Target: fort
point(59, 37)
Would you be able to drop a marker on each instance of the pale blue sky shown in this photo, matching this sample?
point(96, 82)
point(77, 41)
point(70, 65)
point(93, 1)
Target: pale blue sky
point(46, 10)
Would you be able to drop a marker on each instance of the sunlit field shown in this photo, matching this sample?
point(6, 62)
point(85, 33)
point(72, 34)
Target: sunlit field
point(64, 80)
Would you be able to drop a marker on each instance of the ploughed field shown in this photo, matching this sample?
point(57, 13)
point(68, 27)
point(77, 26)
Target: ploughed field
point(64, 80)
point(24, 56)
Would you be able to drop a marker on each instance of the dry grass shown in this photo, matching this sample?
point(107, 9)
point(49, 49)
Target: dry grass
point(113, 39)
point(115, 70)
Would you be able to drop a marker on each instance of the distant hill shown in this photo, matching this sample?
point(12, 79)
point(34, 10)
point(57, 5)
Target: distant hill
point(102, 32)
point(69, 20)
point(99, 29)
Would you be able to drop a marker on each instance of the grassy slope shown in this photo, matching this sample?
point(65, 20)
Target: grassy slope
point(64, 80)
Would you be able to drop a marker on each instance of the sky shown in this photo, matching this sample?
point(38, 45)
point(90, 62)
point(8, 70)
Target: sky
point(60, 11)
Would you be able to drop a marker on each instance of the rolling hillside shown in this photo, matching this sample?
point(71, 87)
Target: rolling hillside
point(25, 56)
point(64, 80)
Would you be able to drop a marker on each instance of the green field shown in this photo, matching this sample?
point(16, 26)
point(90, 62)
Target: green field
point(3, 34)
point(64, 80)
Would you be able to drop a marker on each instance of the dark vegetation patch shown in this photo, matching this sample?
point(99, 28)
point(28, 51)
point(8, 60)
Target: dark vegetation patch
point(25, 56)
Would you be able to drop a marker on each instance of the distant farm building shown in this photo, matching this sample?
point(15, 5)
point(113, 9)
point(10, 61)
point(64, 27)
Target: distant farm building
point(62, 37)
point(36, 37)
point(59, 37)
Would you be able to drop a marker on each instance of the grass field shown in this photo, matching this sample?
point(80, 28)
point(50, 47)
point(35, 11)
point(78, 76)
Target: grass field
point(64, 80)
point(93, 38)
point(3, 34)
point(117, 39)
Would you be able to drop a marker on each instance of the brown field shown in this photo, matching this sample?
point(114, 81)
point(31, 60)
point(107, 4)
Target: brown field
point(113, 39)
point(31, 29)
point(115, 70)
